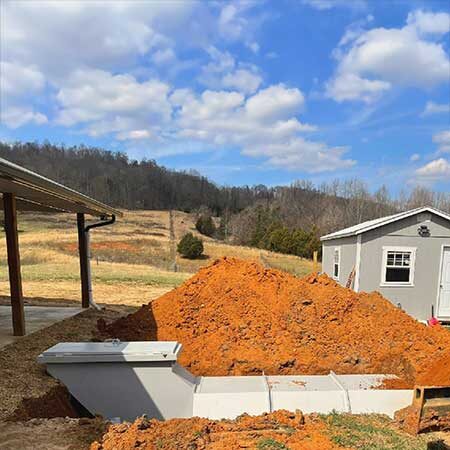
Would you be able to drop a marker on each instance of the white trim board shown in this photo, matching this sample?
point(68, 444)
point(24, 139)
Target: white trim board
point(358, 262)
point(412, 267)
point(337, 249)
point(441, 259)
point(376, 223)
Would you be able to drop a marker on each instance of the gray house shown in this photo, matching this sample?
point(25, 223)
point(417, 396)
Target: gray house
point(406, 257)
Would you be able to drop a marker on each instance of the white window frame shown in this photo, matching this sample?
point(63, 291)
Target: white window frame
point(412, 266)
point(337, 249)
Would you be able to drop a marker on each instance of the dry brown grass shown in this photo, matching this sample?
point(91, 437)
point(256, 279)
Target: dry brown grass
point(132, 261)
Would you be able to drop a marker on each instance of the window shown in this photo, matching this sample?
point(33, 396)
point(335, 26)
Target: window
point(398, 266)
point(336, 262)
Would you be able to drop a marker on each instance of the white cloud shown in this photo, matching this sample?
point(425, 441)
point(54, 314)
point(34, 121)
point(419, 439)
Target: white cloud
point(19, 80)
point(243, 80)
point(323, 5)
point(164, 56)
point(262, 125)
point(231, 23)
point(353, 31)
point(15, 117)
point(98, 66)
point(349, 86)
point(378, 59)
point(436, 170)
point(275, 103)
point(435, 108)
point(133, 135)
point(76, 37)
point(19, 85)
point(75, 34)
point(223, 72)
point(220, 63)
point(253, 46)
point(442, 139)
point(72, 34)
point(414, 157)
point(234, 23)
point(112, 103)
point(429, 22)
point(298, 153)
point(79, 36)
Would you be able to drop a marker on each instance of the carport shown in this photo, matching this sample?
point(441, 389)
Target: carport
point(24, 190)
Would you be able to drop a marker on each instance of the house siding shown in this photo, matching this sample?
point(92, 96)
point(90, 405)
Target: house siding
point(348, 257)
point(417, 299)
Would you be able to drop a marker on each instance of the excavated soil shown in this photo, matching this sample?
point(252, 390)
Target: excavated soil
point(238, 318)
point(277, 430)
point(438, 373)
point(411, 420)
point(51, 434)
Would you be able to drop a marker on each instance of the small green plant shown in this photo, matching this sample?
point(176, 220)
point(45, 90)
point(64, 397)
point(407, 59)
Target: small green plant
point(190, 247)
point(205, 225)
point(270, 444)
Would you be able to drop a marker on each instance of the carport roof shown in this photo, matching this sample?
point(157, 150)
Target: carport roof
point(37, 193)
point(371, 224)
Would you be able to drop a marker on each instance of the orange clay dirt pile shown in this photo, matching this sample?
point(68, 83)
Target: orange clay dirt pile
point(280, 429)
point(238, 318)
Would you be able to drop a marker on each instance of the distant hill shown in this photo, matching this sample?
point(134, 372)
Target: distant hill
point(113, 178)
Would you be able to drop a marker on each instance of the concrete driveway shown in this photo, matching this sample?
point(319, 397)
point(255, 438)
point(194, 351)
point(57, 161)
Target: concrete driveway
point(36, 318)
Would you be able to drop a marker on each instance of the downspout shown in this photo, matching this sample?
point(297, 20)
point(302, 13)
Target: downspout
point(103, 223)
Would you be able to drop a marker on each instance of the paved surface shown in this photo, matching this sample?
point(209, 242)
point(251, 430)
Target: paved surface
point(36, 318)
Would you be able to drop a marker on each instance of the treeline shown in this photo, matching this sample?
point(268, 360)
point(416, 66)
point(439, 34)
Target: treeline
point(282, 217)
point(293, 221)
point(114, 178)
point(265, 227)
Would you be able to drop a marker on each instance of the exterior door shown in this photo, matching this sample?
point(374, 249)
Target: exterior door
point(444, 285)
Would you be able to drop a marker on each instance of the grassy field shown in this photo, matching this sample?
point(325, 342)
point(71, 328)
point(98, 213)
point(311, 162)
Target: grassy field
point(133, 261)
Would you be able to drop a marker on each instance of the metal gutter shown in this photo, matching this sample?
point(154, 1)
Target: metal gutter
point(102, 223)
point(17, 174)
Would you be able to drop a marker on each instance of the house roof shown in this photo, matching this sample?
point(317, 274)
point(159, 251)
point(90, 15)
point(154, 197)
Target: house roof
point(376, 223)
point(37, 193)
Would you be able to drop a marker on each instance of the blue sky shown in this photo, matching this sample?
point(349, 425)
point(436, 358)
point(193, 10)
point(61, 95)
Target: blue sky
point(243, 92)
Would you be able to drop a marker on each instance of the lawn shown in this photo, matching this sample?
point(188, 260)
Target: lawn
point(133, 261)
point(377, 432)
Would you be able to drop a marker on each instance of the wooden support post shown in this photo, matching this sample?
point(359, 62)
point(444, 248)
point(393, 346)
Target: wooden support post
point(15, 278)
point(315, 264)
point(83, 250)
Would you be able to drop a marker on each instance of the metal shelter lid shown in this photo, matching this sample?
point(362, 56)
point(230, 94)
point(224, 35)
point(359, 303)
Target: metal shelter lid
point(113, 351)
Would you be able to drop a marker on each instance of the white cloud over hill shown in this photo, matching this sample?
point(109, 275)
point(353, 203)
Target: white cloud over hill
point(375, 61)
